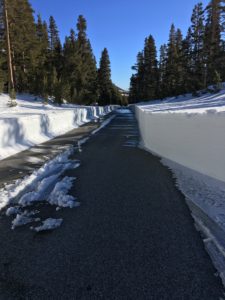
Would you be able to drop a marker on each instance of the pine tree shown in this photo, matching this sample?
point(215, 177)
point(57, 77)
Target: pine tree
point(150, 78)
point(23, 42)
point(187, 63)
point(55, 62)
point(87, 91)
point(39, 86)
point(104, 79)
point(3, 54)
point(171, 66)
point(212, 40)
point(179, 89)
point(197, 40)
point(71, 67)
point(162, 72)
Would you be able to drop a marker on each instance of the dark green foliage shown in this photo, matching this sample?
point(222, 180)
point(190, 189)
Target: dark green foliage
point(212, 42)
point(108, 92)
point(150, 76)
point(104, 79)
point(42, 66)
point(197, 54)
point(23, 42)
point(137, 80)
point(162, 71)
point(86, 87)
point(185, 64)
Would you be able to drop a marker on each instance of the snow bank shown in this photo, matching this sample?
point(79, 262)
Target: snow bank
point(189, 134)
point(189, 131)
point(31, 122)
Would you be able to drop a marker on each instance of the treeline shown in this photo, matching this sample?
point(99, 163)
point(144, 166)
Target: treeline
point(185, 64)
point(44, 67)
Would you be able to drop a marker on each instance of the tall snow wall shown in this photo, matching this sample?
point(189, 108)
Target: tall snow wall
point(20, 132)
point(196, 141)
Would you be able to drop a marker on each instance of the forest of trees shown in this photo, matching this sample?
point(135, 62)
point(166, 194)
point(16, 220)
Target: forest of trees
point(185, 64)
point(43, 66)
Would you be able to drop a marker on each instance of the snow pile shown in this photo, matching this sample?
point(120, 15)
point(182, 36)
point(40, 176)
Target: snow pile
point(188, 131)
point(48, 224)
point(43, 185)
point(59, 196)
point(32, 122)
point(36, 187)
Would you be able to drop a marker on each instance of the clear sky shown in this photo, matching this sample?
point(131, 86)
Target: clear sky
point(119, 25)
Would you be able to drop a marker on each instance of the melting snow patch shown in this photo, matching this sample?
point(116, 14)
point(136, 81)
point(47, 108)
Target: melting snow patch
point(48, 224)
point(13, 211)
point(34, 187)
point(59, 196)
point(23, 219)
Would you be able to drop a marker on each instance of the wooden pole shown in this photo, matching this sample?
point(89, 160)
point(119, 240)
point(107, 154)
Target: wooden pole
point(11, 87)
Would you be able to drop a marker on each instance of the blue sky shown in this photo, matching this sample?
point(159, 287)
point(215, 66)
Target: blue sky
point(119, 25)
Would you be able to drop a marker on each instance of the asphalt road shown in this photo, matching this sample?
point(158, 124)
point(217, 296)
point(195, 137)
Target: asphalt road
point(132, 237)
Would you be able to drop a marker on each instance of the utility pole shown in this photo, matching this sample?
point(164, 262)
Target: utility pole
point(11, 85)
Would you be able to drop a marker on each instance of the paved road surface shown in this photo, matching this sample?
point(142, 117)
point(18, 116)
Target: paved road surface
point(131, 238)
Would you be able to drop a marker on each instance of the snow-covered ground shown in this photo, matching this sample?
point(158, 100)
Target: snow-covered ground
point(188, 133)
point(32, 122)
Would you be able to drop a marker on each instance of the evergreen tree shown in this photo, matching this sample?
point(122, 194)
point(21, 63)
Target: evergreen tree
point(187, 63)
point(104, 79)
point(179, 89)
point(23, 42)
point(150, 77)
point(212, 40)
point(162, 72)
point(171, 65)
point(137, 86)
point(39, 86)
point(55, 62)
point(197, 40)
point(71, 67)
point(3, 58)
point(87, 72)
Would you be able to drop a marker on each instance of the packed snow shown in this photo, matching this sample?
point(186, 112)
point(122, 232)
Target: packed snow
point(32, 122)
point(188, 133)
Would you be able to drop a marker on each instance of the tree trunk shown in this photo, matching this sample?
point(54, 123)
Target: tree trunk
point(11, 85)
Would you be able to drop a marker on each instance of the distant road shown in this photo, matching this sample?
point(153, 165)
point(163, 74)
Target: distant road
point(132, 237)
